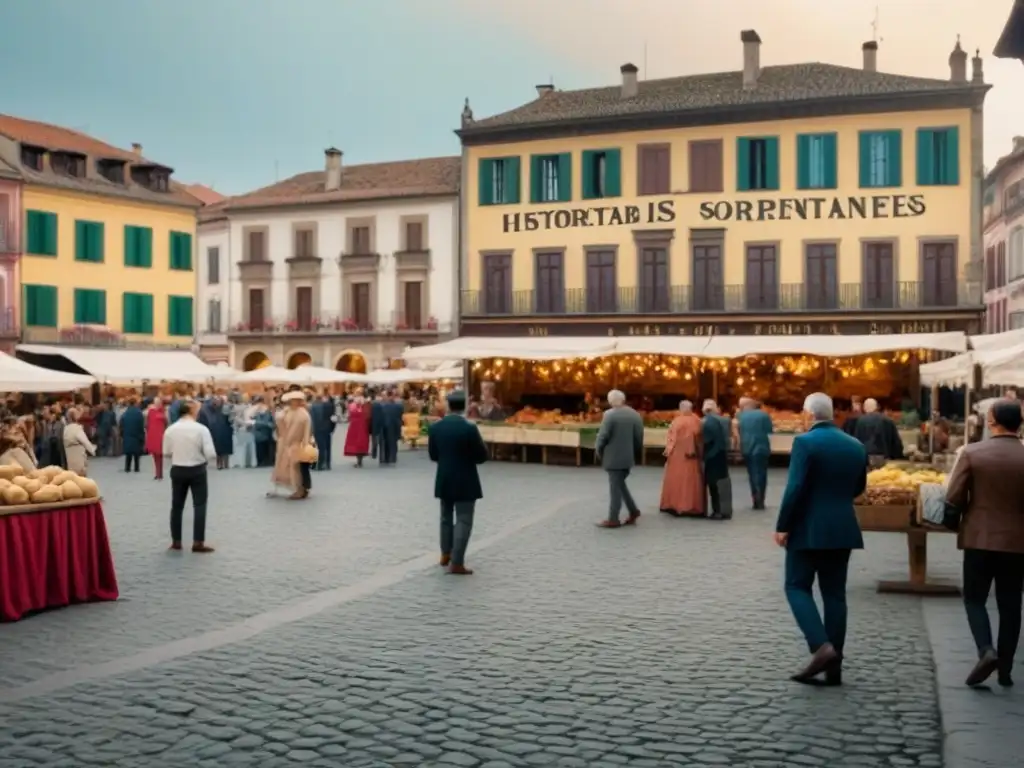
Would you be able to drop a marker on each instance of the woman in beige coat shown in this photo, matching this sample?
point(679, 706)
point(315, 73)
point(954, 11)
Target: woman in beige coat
point(77, 446)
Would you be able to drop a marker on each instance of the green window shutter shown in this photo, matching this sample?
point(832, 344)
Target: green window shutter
point(173, 249)
point(185, 251)
point(128, 313)
point(830, 150)
point(179, 315)
point(536, 182)
point(131, 246)
point(81, 241)
point(952, 175)
point(484, 180)
point(137, 313)
point(864, 158)
point(925, 155)
point(771, 149)
point(612, 172)
point(40, 305)
point(97, 241)
point(145, 247)
point(512, 174)
point(743, 165)
point(41, 233)
point(589, 185)
point(50, 234)
point(81, 310)
point(90, 306)
point(146, 313)
point(895, 166)
point(565, 177)
point(803, 161)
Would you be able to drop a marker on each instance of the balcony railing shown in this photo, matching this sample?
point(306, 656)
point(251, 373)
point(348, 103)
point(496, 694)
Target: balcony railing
point(396, 322)
point(678, 299)
point(76, 336)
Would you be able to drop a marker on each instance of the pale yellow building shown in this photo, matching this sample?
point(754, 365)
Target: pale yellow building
point(801, 198)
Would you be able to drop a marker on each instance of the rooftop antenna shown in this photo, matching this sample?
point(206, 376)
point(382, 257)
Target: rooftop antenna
point(645, 60)
point(875, 24)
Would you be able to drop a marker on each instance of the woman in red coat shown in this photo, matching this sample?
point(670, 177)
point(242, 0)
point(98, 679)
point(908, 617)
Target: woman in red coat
point(357, 439)
point(156, 424)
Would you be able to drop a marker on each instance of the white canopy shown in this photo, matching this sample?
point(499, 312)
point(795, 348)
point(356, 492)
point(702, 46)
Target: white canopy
point(1000, 365)
point(833, 346)
point(130, 366)
point(1003, 340)
point(402, 375)
point(304, 374)
point(18, 376)
point(515, 348)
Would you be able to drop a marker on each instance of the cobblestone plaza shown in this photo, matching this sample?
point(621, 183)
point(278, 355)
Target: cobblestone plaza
point(324, 634)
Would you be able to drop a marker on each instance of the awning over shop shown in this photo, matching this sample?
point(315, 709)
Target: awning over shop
point(127, 367)
point(514, 348)
point(403, 375)
point(18, 376)
point(303, 375)
point(1000, 364)
point(832, 346)
point(684, 346)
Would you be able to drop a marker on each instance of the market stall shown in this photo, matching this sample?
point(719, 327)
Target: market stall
point(18, 376)
point(304, 375)
point(123, 367)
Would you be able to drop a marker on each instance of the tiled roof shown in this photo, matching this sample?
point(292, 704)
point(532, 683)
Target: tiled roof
point(1011, 42)
point(55, 138)
point(360, 183)
point(8, 171)
point(792, 83)
point(204, 194)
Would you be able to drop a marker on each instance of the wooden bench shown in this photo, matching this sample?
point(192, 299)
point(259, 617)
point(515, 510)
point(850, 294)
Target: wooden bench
point(905, 519)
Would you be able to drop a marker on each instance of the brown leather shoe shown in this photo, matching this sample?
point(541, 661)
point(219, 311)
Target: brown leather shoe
point(445, 560)
point(459, 570)
point(631, 520)
point(200, 548)
point(983, 670)
point(609, 524)
point(175, 546)
point(821, 660)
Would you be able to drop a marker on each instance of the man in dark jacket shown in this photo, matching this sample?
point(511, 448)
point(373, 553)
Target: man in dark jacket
point(322, 413)
point(818, 527)
point(378, 418)
point(133, 435)
point(879, 434)
point(455, 444)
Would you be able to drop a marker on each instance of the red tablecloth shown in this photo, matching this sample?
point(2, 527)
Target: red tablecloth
point(54, 558)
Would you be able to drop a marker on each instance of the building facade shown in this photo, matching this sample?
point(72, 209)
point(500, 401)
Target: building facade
point(343, 267)
point(772, 200)
point(1004, 242)
point(212, 289)
point(107, 241)
point(10, 255)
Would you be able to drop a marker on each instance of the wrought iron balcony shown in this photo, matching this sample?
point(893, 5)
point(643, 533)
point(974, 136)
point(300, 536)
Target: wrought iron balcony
point(680, 299)
point(323, 325)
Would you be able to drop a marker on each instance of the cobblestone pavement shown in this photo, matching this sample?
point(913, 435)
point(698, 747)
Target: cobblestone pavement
point(322, 634)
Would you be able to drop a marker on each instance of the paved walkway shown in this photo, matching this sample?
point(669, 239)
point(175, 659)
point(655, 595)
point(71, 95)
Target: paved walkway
point(323, 634)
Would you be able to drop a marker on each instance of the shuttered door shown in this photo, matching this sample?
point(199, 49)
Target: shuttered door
point(304, 308)
point(879, 291)
point(498, 284)
point(550, 292)
point(708, 289)
point(257, 318)
point(601, 282)
point(939, 263)
point(654, 280)
point(762, 278)
point(821, 278)
point(414, 305)
point(361, 305)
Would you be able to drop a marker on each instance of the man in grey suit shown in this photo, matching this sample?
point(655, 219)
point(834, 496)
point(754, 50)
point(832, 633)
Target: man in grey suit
point(619, 441)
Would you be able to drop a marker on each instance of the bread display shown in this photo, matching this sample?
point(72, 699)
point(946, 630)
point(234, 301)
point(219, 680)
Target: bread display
point(46, 485)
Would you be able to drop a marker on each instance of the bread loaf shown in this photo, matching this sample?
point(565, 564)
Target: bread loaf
point(10, 471)
point(62, 477)
point(14, 495)
point(70, 490)
point(89, 488)
point(31, 486)
point(52, 471)
point(46, 495)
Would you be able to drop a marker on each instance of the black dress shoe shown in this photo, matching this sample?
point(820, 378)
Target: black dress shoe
point(822, 659)
point(1005, 680)
point(983, 670)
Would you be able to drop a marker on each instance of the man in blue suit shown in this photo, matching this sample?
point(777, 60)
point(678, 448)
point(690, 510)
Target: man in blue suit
point(755, 428)
point(818, 527)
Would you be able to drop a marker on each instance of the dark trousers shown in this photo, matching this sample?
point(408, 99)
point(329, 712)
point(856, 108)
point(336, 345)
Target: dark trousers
point(129, 459)
point(306, 475)
point(375, 445)
point(830, 567)
point(619, 493)
point(388, 448)
point(1006, 570)
point(263, 453)
point(456, 528)
point(184, 480)
point(757, 474)
point(323, 446)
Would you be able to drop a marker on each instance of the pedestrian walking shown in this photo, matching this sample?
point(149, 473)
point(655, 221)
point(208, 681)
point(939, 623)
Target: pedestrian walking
point(619, 440)
point(755, 430)
point(715, 434)
point(985, 503)
point(133, 435)
point(454, 443)
point(818, 528)
point(188, 446)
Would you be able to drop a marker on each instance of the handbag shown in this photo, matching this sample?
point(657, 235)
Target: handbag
point(308, 454)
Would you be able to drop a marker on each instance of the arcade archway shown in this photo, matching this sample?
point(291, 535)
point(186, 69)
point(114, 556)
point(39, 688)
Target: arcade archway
point(254, 361)
point(351, 362)
point(298, 358)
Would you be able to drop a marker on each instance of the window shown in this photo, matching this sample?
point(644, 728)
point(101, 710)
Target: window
point(498, 180)
point(32, 157)
point(179, 316)
point(821, 283)
point(938, 156)
point(413, 295)
point(213, 324)
point(1001, 265)
point(602, 282)
point(137, 313)
point(816, 161)
point(654, 288)
point(304, 244)
point(256, 241)
point(138, 246)
point(654, 169)
point(212, 266)
point(938, 273)
point(1016, 259)
point(602, 173)
point(414, 235)
point(551, 178)
point(181, 251)
point(1012, 197)
point(706, 166)
point(708, 284)
point(881, 158)
point(762, 277)
point(550, 283)
point(40, 305)
point(304, 308)
point(41, 233)
point(878, 286)
point(990, 268)
point(497, 283)
point(360, 239)
point(68, 164)
point(257, 311)
point(757, 164)
point(361, 305)
point(111, 170)
point(89, 241)
point(90, 306)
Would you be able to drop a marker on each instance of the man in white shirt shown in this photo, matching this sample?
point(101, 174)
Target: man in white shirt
point(188, 446)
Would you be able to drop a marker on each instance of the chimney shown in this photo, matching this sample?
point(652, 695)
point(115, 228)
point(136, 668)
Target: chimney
point(977, 73)
point(870, 49)
point(630, 87)
point(751, 57)
point(1018, 143)
point(544, 90)
point(332, 166)
point(137, 149)
point(958, 64)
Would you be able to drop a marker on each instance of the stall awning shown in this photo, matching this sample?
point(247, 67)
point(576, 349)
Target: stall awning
point(126, 367)
point(303, 375)
point(513, 348)
point(1000, 365)
point(18, 376)
point(833, 346)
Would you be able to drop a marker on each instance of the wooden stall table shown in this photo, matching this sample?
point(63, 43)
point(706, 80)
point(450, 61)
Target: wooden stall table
point(54, 555)
point(906, 519)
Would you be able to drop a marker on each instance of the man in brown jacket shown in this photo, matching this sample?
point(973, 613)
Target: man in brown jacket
point(987, 489)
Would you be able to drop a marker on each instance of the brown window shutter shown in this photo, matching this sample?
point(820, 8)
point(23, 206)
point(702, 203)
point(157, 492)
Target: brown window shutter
point(643, 171)
point(664, 160)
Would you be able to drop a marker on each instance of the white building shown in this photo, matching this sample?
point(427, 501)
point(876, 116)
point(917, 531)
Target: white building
point(343, 267)
point(212, 292)
point(1004, 242)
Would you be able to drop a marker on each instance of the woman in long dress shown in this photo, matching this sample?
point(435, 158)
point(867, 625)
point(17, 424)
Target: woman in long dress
point(77, 446)
point(682, 489)
point(357, 438)
point(156, 425)
point(294, 432)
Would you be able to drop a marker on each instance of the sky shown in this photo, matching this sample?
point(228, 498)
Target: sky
point(239, 93)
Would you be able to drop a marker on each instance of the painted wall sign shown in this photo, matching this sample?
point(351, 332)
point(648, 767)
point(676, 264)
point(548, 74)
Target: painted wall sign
point(655, 212)
point(813, 208)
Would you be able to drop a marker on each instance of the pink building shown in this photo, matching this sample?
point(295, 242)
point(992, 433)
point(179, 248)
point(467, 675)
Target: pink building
point(1003, 237)
point(10, 255)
